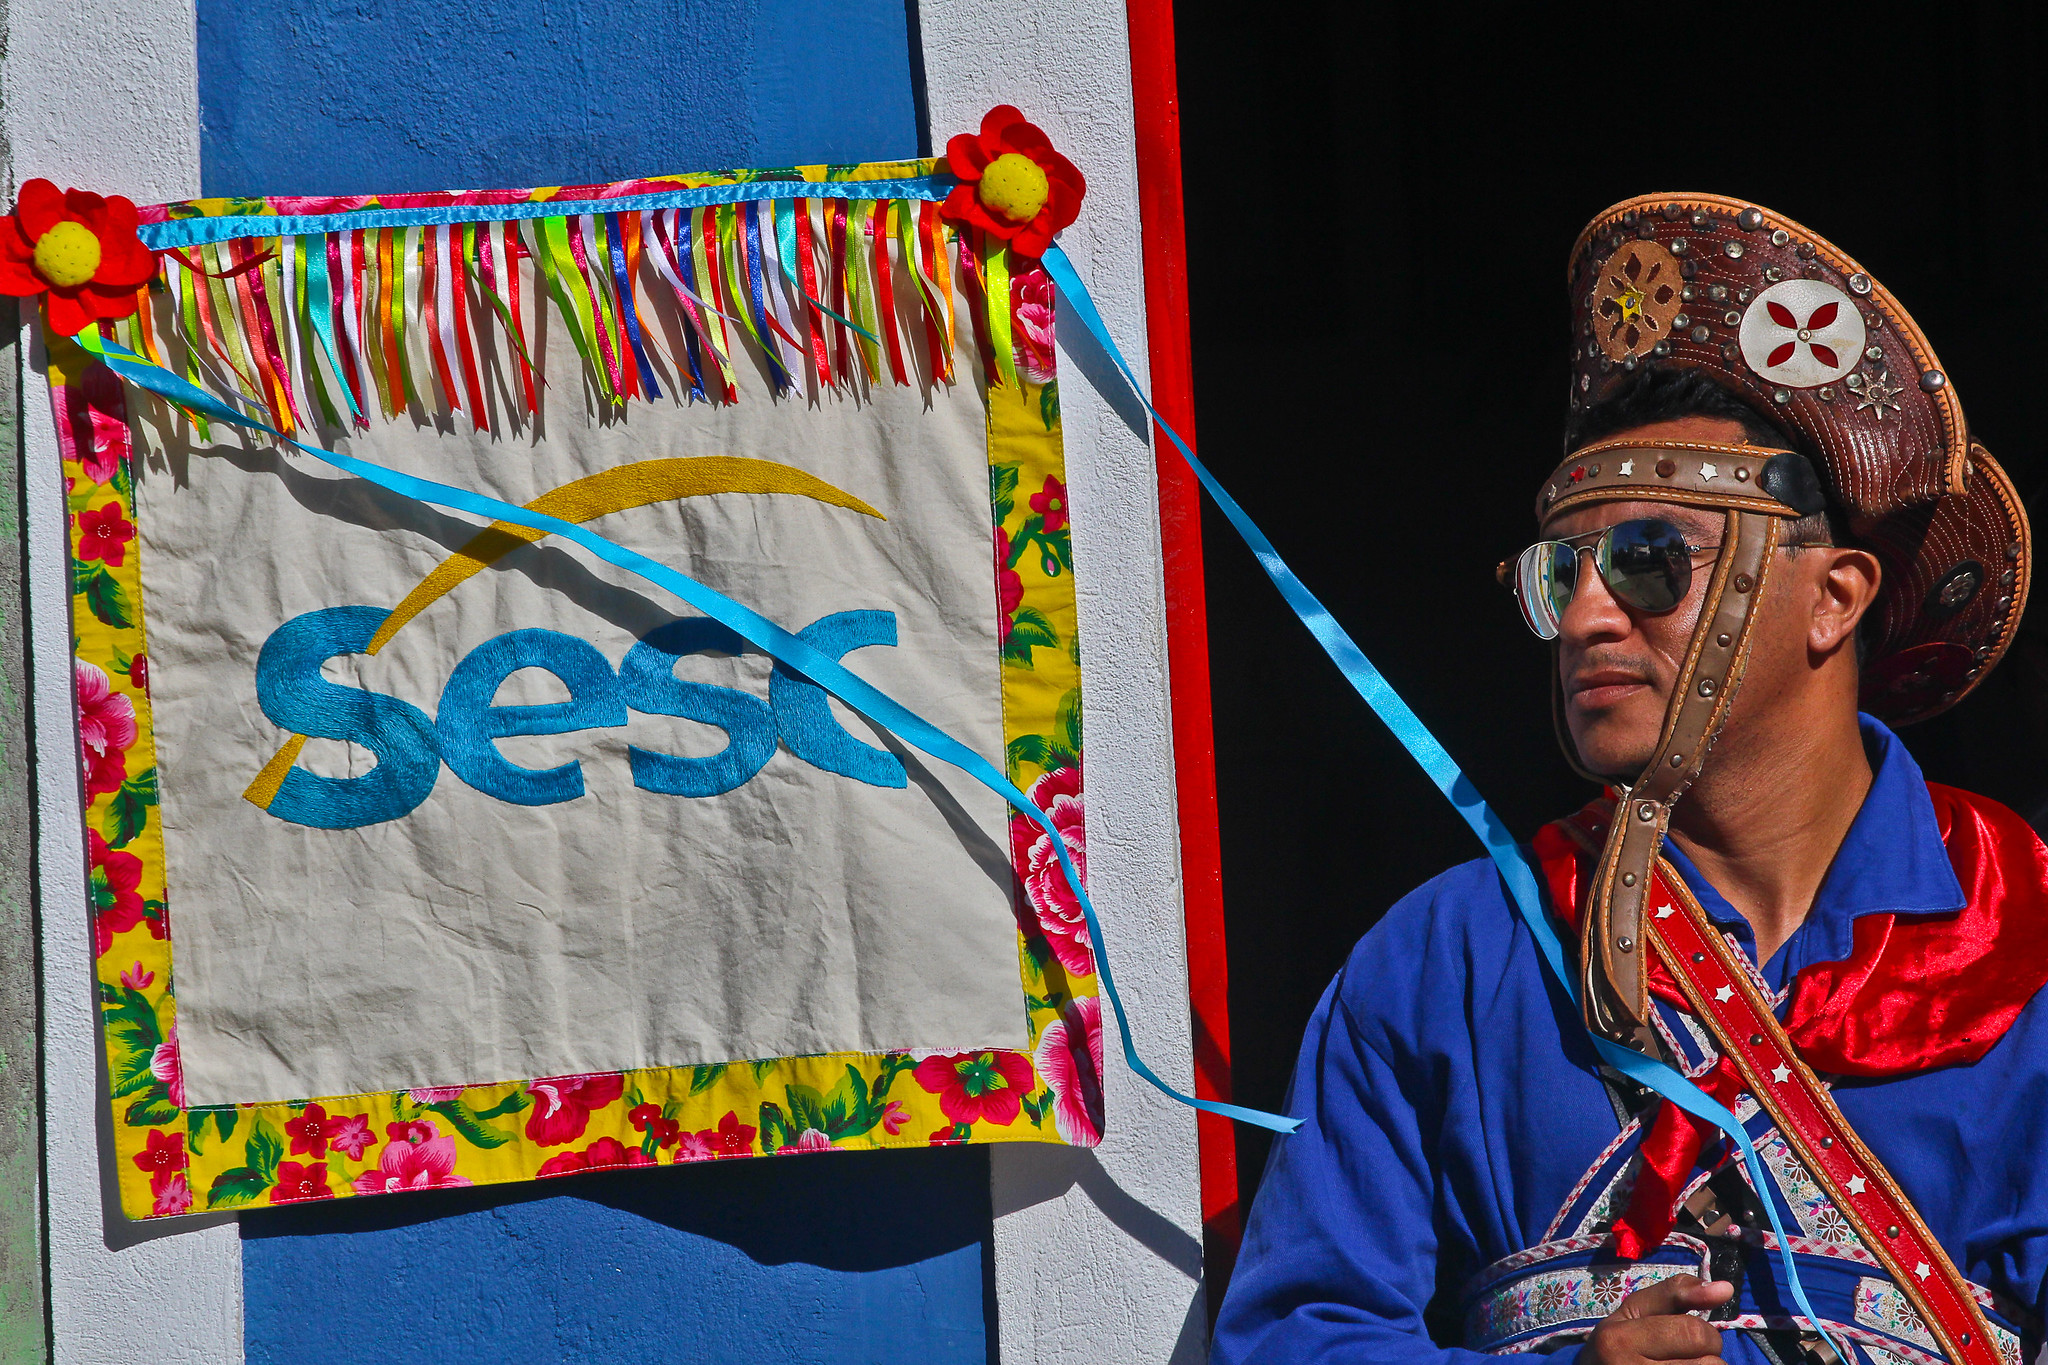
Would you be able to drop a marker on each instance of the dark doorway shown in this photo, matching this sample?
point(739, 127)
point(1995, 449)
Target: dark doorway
point(1380, 201)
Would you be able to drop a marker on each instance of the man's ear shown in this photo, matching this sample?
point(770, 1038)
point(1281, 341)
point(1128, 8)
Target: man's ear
point(1846, 583)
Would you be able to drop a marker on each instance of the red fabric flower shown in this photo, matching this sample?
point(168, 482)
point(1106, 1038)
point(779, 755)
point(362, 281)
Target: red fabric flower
point(1050, 502)
point(1013, 185)
point(163, 1154)
point(116, 903)
point(562, 1105)
point(104, 534)
point(106, 727)
point(311, 1131)
point(296, 1182)
point(599, 1155)
point(80, 250)
point(972, 1086)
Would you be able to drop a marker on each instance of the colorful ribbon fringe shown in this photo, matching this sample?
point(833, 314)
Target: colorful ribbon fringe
point(423, 312)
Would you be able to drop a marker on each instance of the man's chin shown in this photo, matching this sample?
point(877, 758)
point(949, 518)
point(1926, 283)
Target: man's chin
point(1616, 753)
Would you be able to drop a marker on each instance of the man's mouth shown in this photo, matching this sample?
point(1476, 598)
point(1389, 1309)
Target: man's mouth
point(1600, 687)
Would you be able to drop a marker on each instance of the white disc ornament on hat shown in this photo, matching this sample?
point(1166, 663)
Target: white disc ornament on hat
point(1802, 334)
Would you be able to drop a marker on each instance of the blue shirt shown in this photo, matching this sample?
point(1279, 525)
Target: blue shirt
point(1452, 1103)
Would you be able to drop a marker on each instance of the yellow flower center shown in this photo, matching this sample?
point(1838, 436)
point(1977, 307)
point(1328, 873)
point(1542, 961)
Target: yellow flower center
point(1015, 187)
point(68, 255)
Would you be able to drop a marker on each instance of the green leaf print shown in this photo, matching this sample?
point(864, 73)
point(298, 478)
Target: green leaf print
point(107, 600)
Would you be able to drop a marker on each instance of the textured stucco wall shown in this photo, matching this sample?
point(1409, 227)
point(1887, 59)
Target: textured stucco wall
point(100, 93)
point(1099, 1254)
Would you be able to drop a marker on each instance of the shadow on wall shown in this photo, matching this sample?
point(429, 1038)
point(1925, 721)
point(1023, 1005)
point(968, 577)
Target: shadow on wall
point(672, 1260)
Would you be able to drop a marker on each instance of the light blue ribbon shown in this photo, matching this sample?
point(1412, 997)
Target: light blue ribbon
point(758, 630)
point(182, 232)
point(1508, 856)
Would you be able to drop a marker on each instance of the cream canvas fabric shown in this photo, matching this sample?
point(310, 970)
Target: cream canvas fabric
point(475, 938)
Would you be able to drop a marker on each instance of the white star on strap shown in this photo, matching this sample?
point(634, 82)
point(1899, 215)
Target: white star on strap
point(1628, 467)
point(1923, 1270)
point(1724, 995)
point(1708, 471)
point(1667, 911)
point(1781, 1073)
point(1856, 1184)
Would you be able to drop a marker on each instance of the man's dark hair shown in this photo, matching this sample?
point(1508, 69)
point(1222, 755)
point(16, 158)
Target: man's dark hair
point(1657, 394)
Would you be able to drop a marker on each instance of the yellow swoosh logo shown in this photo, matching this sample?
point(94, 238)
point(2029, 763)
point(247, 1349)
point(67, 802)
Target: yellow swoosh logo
point(585, 499)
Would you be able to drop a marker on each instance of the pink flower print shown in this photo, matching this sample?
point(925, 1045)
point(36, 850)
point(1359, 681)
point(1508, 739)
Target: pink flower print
point(173, 1195)
point(136, 978)
point(699, 1146)
point(604, 1153)
point(810, 1140)
point(413, 1163)
point(101, 438)
point(439, 1094)
point(163, 1154)
point(562, 1105)
point(114, 885)
point(106, 728)
point(973, 1086)
point(1031, 316)
point(1009, 583)
point(1069, 1056)
point(350, 1133)
point(296, 1181)
point(103, 534)
point(1056, 907)
point(894, 1116)
point(165, 1066)
point(1050, 502)
point(413, 1130)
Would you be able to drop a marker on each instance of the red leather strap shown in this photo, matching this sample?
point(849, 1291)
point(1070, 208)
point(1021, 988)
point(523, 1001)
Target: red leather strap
point(1724, 998)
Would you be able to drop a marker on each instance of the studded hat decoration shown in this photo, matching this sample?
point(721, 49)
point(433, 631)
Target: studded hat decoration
point(1787, 321)
point(1013, 185)
point(78, 250)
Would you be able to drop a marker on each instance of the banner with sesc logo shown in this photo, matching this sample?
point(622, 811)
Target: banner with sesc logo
point(514, 863)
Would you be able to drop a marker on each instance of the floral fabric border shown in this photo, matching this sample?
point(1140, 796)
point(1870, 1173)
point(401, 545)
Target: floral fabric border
point(172, 1160)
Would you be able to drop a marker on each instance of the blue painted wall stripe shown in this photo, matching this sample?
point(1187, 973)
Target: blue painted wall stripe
point(332, 97)
point(840, 1259)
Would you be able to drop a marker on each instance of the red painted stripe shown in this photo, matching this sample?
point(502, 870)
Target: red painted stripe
point(1156, 98)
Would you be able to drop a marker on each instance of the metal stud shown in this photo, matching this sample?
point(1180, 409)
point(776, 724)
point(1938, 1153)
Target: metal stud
point(1701, 334)
point(1732, 318)
point(1781, 396)
point(1706, 687)
point(1780, 237)
point(1826, 1143)
point(1743, 582)
point(1646, 812)
point(1756, 1040)
point(1679, 246)
point(1699, 957)
point(1827, 393)
point(1750, 219)
point(1625, 943)
point(1628, 879)
point(1662, 348)
point(1892, 1231)
point(1677, 761)
point(1671, 212)
point(1718, 293)
point(1934, 381)
point(1873, 353)
point(1742, 473)
point(1686, 293)
point(1772, 274)
point(1734, 250)
point(1859, 283)
point(1699, 218)
point(1722, 639)
point(1680, 323)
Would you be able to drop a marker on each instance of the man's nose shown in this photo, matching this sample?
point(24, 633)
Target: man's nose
point(1593, 613)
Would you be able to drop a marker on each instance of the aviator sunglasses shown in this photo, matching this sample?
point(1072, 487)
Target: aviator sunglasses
point(1646, 563)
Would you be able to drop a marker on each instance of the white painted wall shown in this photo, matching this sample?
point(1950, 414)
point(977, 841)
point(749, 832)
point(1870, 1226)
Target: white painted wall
point(1099, 1254)
point(103, 94)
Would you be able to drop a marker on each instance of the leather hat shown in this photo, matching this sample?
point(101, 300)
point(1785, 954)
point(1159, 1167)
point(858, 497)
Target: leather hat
point(1785, 320)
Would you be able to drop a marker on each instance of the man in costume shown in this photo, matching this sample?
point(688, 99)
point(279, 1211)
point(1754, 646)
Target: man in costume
point(1771, 517)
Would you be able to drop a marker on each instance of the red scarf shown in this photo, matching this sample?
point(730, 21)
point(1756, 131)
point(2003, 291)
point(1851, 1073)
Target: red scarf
point(1916, 991)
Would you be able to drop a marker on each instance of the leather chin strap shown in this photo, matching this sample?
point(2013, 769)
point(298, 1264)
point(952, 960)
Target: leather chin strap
point(1613, 979)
